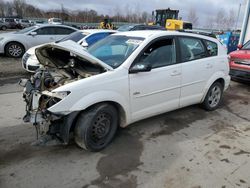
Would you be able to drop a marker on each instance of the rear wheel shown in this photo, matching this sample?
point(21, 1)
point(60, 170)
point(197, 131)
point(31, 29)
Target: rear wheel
point(14, 49)
point(4, 28)
point(213, 97)
point(96, 127)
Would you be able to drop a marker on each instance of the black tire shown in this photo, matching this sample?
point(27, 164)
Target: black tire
point(213, 97)
point(96, 127)
point(14, 49)
point(3, 27)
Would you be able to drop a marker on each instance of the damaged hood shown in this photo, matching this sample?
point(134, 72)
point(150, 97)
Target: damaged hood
point(68, 46)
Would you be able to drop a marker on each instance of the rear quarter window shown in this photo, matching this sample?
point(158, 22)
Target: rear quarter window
point(212, 48)
point(191, 49)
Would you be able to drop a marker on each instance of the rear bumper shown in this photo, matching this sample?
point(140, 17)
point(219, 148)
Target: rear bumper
point(227, 82)
point(243, 75)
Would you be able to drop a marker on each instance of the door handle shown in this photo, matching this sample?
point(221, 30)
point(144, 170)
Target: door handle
point(175, 73)
point(52, 38)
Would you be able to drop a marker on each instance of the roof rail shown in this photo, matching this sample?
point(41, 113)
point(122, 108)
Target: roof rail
point(199, 32)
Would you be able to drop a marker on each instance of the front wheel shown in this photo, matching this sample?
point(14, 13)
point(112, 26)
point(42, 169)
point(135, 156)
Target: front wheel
point(14, 49)
point(96, 127)
point(213, 97)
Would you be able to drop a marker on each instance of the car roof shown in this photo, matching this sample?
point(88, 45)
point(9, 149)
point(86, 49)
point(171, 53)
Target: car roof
point(142, 33)
point(91, 31)
point(54, 25)
point(158, 33)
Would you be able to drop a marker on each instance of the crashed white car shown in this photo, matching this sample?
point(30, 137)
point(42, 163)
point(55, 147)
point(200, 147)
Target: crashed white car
point(123, 78)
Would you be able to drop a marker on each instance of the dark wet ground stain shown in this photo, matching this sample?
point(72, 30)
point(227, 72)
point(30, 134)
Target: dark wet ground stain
point(225, 160)
point(16, 146)
point(220, 126)
point(121, 157)
point(13, 80)
point(236, 114)
point(225, 147)
point(242, 181)
point(241, 152)
point(25, 151)
point(179, 119)
point(237, 93)
point(247, 129)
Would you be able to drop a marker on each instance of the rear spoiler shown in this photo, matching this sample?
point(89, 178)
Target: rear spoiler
point(208, 34)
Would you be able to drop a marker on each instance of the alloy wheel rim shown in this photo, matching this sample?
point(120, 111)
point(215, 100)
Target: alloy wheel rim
point(214, 96)
point(15, 50)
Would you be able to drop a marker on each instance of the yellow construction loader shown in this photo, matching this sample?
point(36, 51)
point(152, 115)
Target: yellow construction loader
point(107, 24)
point(168, 18)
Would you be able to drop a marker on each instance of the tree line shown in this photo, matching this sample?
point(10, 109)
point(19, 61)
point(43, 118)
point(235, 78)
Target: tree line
point(128, 13)
point(21, 9)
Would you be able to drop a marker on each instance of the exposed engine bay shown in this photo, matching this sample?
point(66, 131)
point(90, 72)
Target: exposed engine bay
point(60, 67)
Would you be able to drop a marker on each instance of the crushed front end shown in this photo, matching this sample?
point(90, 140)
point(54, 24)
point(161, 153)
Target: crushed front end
point(39, 98)
point(62, 64)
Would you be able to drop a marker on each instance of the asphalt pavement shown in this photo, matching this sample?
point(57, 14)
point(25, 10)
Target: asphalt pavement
point(188, 148)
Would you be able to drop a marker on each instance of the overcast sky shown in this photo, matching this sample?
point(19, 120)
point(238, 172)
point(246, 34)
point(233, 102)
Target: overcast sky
point(204, 8)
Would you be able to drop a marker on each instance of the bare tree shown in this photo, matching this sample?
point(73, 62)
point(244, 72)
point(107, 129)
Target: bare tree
point(231, 19)
point(22, 9)
point(145, 17)
point(192, 17)
point(19, 7)
point(221, 19)
point(2, 7)
point(9, 9)
point(209, 24)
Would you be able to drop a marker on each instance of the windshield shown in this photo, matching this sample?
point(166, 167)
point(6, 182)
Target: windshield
point(75, 37)
point(26, 30)
point(125, 28)
point(246, 46)
point(115, 49)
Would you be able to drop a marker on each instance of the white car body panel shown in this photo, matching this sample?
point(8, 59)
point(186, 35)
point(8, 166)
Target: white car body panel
point(157, 95)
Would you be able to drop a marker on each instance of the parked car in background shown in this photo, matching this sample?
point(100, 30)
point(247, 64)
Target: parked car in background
point(124, 78)
point(86, 38)
point(56, 21)
point(12, 23)
point(3, 25)
point(136, 27)
point(240, 63)
point(15, 44)
point(40, 22)
point(25, 23)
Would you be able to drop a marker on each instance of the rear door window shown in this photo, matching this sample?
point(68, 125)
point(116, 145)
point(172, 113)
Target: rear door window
point(46, 31)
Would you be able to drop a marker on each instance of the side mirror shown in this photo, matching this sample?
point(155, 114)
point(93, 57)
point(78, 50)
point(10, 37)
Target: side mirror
point(85, 44)
point(140, 68)
point(33, 34)
point(240, 46)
